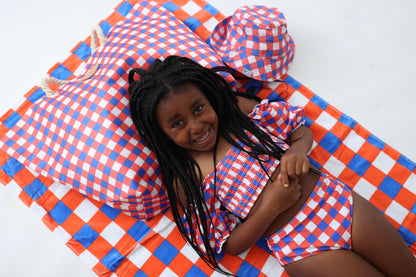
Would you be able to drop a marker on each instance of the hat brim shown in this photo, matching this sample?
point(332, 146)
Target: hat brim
point(218, 37)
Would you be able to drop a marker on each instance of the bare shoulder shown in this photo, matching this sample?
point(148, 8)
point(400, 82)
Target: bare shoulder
point(246, 105)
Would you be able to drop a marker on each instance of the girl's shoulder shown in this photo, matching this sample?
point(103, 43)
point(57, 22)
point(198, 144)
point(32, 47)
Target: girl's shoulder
point(246, 105)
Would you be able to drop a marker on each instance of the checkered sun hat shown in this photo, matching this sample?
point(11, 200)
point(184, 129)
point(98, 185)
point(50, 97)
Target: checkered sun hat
point(255, 42)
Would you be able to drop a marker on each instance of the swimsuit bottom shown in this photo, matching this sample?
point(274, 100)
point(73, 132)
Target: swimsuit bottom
point(323, 223)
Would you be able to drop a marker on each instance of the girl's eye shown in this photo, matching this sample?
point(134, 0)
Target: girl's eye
point(198, 109)
point(177, 124)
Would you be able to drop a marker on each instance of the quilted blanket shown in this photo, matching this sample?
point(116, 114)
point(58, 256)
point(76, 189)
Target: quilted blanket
point(105, 232)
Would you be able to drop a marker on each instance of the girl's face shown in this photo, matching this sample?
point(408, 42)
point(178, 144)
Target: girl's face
point(188, 119)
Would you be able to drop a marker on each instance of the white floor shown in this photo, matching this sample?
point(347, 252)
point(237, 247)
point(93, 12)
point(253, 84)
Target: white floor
point(359, 55)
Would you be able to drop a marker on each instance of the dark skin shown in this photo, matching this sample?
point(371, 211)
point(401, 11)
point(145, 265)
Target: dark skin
point(377, 247)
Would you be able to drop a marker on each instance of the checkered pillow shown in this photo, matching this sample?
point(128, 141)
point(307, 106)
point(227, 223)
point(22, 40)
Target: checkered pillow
point(85, 138)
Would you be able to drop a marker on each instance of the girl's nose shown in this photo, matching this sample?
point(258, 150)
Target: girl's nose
point(196, 126)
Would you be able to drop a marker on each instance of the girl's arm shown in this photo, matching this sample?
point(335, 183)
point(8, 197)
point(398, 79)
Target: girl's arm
point(274, 200)
point(295, 161)
point(247, 234)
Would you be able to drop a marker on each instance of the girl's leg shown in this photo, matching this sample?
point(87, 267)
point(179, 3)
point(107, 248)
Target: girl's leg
point(375, 239)
point(340, 263)
point(378, 250)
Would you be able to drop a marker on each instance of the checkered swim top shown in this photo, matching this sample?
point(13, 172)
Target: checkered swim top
point(240, 177)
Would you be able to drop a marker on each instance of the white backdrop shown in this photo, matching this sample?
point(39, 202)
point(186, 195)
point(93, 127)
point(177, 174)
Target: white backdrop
point(359, 55)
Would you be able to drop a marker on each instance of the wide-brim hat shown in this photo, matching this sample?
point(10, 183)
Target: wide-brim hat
point(255, 42)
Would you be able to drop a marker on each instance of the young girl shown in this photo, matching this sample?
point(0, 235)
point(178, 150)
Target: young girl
point(237, 170)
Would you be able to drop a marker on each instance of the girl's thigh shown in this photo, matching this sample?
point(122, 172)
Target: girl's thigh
point(377, 249)
point(331, 263)
point(375, 239)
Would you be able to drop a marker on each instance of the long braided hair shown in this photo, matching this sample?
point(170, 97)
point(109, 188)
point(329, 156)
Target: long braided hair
point(176, 165)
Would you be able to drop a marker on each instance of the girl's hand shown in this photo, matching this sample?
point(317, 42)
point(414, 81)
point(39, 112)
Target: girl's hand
point(294, 163)
point(276, 198)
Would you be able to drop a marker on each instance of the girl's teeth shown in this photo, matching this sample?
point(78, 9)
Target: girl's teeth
point(204, 137)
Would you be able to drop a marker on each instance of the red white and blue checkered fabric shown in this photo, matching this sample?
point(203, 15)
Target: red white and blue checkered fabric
point(240, 178)
point(255, 42)
point(323, 223)
point(113, 243)
point(85, 138)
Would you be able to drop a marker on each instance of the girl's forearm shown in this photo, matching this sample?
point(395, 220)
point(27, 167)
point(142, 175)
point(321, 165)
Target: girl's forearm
point(248, 233)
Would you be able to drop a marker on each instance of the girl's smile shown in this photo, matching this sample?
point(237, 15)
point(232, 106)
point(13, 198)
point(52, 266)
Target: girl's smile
point(188, 119)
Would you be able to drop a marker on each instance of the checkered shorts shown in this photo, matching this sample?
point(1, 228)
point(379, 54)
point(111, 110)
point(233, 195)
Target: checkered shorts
point(323, 223)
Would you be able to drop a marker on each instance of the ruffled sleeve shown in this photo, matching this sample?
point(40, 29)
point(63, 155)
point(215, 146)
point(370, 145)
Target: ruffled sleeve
point(279, 118)
point(223, 223)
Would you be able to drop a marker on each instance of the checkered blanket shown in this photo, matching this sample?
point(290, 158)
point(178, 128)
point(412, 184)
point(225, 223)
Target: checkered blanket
point(115, 243)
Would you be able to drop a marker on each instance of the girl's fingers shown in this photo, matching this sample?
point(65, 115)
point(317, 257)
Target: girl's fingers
point(305, 168)
point(283, 176)
point(284, 180)
point(299, 169)
point(291, 167)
